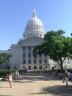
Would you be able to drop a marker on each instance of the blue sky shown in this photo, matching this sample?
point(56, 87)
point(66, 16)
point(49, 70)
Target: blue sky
point(14, 14)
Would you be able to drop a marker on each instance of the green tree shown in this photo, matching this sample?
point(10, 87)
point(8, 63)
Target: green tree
point(4, 58)
point(56, 46)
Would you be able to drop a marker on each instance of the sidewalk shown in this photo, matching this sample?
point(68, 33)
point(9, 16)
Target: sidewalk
point(35, 86)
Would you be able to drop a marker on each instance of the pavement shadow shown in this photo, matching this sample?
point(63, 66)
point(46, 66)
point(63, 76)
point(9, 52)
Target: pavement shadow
point(58, 90)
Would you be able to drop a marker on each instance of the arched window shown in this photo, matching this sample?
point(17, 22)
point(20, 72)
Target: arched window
point(35, 67)
point(29, 67)
point(40, 67)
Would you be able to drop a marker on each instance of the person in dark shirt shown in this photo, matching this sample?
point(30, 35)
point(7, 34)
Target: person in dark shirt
point(66, 77)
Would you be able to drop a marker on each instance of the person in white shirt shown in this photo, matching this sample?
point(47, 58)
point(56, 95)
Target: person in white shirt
point(10, 79)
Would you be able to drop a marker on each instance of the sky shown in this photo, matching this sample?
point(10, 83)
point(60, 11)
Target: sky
point(14, 14)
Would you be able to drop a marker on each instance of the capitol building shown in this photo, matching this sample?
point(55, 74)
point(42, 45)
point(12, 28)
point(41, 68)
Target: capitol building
point(22, 52)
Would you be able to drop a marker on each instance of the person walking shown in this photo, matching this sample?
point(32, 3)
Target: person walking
point(66, 78)
point(9, 78)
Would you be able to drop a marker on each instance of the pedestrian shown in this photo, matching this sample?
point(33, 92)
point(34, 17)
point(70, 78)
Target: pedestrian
point(9, 78)
point(16, 74)
point(66, 78)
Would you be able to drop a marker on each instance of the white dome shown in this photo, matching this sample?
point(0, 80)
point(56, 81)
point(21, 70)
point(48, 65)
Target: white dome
point(34, 27)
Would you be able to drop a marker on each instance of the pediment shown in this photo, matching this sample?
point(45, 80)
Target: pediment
point(31, 40)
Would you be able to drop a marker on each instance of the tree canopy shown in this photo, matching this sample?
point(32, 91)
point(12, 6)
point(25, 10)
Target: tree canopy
point(56, 46)
point(4, 58)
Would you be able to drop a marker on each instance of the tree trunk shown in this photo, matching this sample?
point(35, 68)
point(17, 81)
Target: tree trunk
point(61, 65)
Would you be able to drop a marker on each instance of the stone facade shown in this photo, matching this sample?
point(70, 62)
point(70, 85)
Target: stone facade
point(22, 55)
point(22, 52)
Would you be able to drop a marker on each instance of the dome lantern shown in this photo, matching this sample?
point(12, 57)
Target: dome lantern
point(34, 13)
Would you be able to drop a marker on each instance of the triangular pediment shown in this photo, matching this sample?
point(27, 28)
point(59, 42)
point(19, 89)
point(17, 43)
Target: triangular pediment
point(32, 40)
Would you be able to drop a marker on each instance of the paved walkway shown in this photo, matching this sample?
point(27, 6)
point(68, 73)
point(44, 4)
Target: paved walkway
point(35, 86)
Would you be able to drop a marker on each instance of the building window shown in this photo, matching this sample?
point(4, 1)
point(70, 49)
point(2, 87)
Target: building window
point(24, 48)
point(39, 55)
point(40, 61)
point(40, 67)
point(45, 61)
point(45, 55)
point(29, 67)
point(24, 55)
point(24, 61)
point(34, 61)
point(37, 34)
point(35, 56)
point(29, 55)
point(45, 66)
point(40, 35)
point(29, 61)
point(29, 48)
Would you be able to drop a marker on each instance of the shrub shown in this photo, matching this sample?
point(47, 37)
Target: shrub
point(3, 73)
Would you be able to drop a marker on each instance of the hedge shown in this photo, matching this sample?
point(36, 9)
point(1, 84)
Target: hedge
point(3, 73)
